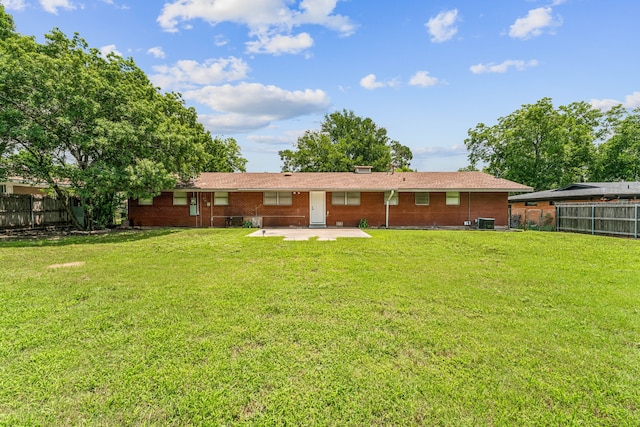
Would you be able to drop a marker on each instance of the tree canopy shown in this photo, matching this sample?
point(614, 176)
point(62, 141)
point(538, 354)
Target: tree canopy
point(619, 156)
point(95, 128)
point(343, 142)
point(223, 155)
point(547, 147)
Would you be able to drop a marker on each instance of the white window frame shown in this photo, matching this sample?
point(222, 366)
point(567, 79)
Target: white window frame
point(424, 194)
point(145, 201)
point(221, 198)
point(345, 198)
point(277, 198)
point(3, 189)
point(452, 198)
point(394, 198)
point(180, 198)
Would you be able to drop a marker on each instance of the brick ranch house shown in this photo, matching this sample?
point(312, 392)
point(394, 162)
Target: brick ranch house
point(330, 199)
point(540, 207)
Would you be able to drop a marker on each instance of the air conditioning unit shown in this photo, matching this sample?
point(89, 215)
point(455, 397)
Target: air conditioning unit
point(486, 223)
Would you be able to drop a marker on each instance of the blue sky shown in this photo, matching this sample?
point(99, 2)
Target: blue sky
point(264, 71)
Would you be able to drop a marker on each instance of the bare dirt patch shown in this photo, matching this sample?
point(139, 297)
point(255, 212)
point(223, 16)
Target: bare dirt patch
point(67, 264)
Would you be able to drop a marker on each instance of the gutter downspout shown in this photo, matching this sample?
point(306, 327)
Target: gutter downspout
point(469, 207)
point(387, 208)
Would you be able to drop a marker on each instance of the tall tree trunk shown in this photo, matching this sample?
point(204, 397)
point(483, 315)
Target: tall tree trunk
point(66, 201)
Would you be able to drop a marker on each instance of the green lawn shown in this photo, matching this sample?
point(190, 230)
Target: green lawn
point(210, 327)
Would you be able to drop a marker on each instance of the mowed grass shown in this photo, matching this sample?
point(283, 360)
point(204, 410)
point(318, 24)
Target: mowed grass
point(209, 327)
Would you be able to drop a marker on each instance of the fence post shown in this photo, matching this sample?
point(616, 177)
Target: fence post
point(593, 219)
point(33, 218)
point(635, 224)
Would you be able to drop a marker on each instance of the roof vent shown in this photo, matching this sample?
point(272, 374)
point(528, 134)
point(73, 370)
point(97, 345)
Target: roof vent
point(362, 169)
point(288, 174)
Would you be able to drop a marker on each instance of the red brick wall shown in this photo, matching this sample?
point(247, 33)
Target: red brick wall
point(372, 207)
point(534, 214)
point(161, 213)
point(251, 204)
point(408, 214)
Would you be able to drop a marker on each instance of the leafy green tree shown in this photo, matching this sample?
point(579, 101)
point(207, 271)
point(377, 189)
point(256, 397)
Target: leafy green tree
point(223, 155)
point(619, 156)
point(401, 157)
point(585, 128)
point(93, 128)
point(539, 145)
point(343, 142)
point(7, 32)
point(315, 152)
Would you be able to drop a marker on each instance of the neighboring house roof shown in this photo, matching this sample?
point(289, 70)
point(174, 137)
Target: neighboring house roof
point(350, 181)
point(16, 180)
point(584, 190)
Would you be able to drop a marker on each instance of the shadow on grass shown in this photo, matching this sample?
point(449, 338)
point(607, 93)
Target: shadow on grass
point(65, 238)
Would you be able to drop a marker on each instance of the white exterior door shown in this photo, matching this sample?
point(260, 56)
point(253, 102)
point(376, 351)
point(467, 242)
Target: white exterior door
point(317, 209)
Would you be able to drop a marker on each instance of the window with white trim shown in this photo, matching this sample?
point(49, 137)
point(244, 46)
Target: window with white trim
point(180, 198)
point(394, 198)
point(221, 198)
point(453, 198)
point(3, 189)
point(422, 198)
point(349, 198)
point(145, 201)
point(278, 198)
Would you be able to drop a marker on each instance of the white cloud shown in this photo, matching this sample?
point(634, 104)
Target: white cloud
point(518, 64)
point(188, 73)
point(270, 20)
point(52, 6)
point(257, 99)
point(423, 79)
point(442, 27)
point(533, 25)
point(248, 106)
point(13, 4)
point(280, 44)
point(630, 101)
point(111, 48)
point(433, 152)
point(286, 138)
point(157, 52)
point(233, 123)
point(320, 12)
point(220, 40)
point(370, 82)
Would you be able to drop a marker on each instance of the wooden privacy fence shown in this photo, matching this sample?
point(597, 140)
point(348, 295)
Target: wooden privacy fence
point(612, 218)
point(31, 211)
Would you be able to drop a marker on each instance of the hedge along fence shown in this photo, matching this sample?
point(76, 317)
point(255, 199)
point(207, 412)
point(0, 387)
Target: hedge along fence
point(612, 218)
point(26, 210)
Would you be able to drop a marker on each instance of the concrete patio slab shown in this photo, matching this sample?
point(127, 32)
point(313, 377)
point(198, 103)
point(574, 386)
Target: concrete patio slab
point(307, 233)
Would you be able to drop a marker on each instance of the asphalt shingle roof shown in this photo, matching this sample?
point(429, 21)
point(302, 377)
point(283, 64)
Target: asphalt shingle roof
point(611, 190)
point(336, 181)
